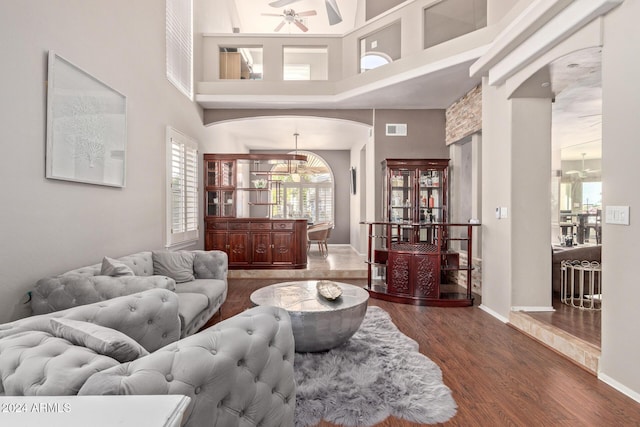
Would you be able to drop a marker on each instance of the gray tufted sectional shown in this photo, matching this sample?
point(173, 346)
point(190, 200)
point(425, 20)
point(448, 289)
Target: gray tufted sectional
point(199, 298)
point(238, 372)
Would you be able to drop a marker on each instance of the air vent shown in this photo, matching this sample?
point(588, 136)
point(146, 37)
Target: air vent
point(396, 129)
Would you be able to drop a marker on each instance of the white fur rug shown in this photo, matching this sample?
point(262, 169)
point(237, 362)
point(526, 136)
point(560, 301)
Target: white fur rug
point(377, 373)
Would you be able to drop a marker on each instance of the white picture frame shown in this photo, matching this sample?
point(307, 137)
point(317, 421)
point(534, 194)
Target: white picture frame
point(86, 127)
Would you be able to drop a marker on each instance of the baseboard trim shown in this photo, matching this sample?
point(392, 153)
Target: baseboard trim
point(532, 308)
point(620, 387)
point(493, 313)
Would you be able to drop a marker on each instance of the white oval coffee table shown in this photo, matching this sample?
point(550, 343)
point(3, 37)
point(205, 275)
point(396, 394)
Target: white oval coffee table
point(318, 324)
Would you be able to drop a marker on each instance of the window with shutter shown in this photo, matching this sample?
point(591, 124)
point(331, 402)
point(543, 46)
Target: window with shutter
point(179, 35)
point(308, 193)
point(182, 189)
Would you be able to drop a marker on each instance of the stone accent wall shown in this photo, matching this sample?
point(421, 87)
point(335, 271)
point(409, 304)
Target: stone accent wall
point(460, 277)
point(464, 117)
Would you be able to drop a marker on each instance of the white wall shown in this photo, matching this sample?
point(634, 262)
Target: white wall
point(51, 226)
point(618, 32)
point(620, 152)
point(496, 192)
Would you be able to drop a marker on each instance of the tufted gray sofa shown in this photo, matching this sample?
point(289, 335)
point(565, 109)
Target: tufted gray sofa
point(238, 372)
point(199, 298)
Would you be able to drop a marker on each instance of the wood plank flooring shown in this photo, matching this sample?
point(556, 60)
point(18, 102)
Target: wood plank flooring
point(498, 376)
point(584, 324)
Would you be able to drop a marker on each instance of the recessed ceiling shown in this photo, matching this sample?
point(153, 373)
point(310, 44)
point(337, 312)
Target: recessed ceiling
point(576, 79)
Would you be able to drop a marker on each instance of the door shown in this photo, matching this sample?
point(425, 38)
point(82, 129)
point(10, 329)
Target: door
point(261, 248)
point(282, 248)
point(238, 248)
point(216, 240)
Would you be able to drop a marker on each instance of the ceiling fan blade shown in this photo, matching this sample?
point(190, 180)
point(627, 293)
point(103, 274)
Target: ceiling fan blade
point(272, 14)
point(307, 13)
point(301, 25)
point(280, 25)
point(333, 12)
point(281, 3)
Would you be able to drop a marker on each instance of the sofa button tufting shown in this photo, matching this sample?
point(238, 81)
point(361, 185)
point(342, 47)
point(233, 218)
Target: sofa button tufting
point(241, 414)
point(249, 332)
point(256, 379)
point(278, 318)
point(197, 390)
point(169, 377)
point(132, 309)
point(240, 362)
point(214, 352)
point(150, 321)
point(164, 299)
point(164, 335)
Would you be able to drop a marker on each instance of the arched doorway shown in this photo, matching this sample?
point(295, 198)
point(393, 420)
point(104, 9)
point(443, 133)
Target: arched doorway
point(307, 193)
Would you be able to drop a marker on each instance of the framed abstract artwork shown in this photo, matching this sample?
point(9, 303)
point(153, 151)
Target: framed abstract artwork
point(86, 127)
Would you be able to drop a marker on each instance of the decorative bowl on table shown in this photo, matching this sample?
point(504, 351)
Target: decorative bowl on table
point(328, 290)
point(260, 183)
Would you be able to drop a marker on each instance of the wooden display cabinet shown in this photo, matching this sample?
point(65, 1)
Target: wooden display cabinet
point(220, 187)
point(250, 242)
point(259, 243)
point(409, 249)
point(415, 190)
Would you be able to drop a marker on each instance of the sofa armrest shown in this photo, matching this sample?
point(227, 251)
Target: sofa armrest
point(210, 265)
point(66, 291)
point(239, 368)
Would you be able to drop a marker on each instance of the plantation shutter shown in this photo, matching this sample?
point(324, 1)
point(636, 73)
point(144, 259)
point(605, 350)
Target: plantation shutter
point(179, 34)
point(183, 189)
point(325, 204)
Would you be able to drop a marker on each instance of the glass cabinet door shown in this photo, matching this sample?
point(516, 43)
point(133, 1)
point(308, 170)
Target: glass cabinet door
point(401, 195)
point(430, 195)
point(220, 173)
point(220, 203)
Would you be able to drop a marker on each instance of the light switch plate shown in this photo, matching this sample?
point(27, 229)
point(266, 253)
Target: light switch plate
point(617, 215)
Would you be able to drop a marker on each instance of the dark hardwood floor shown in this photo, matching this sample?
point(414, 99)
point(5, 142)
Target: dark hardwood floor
point(583, 324)
point(498, 376)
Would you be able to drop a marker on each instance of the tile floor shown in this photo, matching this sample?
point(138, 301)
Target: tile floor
point(342, 262)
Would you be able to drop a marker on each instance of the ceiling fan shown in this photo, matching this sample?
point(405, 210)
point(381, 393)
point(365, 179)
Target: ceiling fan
point(332, 9)
point(290, 16)
point(583, 173)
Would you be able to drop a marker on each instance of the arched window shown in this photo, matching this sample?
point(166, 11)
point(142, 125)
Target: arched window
point(373, 60)
point(307, 192)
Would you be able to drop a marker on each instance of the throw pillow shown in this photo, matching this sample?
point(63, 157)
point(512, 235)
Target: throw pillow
point(113, 267)
point(177, 265)
point(105, 341)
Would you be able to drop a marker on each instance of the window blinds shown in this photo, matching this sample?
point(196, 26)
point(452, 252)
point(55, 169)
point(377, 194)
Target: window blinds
point(179, 34)
point(183, 189)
